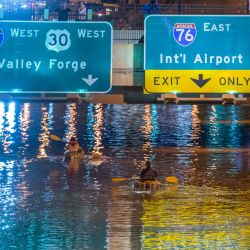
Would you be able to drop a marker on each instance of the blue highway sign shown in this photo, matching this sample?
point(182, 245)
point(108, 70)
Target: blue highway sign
point(55, 57)
point(197, 54)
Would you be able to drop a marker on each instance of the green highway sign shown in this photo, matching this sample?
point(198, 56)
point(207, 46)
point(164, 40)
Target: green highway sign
point(55, 57)
point(197, 54)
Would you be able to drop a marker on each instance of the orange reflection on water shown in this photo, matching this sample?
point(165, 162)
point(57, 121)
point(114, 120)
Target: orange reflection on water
point(98, 127)
point(147, 128)
point(70, 121)
point(73, 166)
point(44, 134)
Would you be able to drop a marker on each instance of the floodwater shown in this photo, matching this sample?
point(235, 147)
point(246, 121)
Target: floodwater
point(46, 203)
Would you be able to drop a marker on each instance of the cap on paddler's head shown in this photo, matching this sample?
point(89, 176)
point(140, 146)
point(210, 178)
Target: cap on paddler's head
point(73, 140)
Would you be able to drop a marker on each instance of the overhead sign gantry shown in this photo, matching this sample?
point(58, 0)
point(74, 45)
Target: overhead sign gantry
point(59, 57)
point(197, 54)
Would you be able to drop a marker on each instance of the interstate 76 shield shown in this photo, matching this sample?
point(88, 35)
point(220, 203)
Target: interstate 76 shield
point(184, 33)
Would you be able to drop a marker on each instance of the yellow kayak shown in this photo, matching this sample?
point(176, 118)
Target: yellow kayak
point(73, 155)
point(147, 184)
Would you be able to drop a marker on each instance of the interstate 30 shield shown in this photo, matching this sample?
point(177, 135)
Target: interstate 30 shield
point(184, 33)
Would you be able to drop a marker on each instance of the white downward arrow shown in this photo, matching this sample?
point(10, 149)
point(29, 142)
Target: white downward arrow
point(90, 80)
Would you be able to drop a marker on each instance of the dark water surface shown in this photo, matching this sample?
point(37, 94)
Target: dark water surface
point(46, 203)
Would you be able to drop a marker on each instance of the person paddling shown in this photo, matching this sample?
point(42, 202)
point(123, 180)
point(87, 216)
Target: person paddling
point(73, 146)
point(148, 173)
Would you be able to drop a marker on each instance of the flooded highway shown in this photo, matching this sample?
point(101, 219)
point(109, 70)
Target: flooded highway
point(47, 203)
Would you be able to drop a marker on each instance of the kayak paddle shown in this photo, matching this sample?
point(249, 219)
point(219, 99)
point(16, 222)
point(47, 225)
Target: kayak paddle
point(169, 179)
point(55, 137)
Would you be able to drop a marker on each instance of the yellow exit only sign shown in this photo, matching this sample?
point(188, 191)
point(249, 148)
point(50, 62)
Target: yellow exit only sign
point(197, 81)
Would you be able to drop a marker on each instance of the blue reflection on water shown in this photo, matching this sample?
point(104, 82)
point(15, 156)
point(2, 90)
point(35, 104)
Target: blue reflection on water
point(225, 129)
point(89, 127)
point(154, 120)
point(8, 126)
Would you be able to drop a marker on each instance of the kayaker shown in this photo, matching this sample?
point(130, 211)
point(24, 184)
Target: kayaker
point(73, 146)
point(148, 173)
point(96, 155)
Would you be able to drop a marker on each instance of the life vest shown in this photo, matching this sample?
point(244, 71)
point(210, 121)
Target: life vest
point(73, 147)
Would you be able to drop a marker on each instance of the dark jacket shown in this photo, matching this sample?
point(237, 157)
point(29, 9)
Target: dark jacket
point(148, 174)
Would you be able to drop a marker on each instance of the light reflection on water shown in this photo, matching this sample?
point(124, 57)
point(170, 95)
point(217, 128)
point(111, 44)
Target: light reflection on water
point(98, 127)
point(70, 121)
point(46, 123)
point(48, 204)
point(8, 126)
point(196, 218)
point(24, 118)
